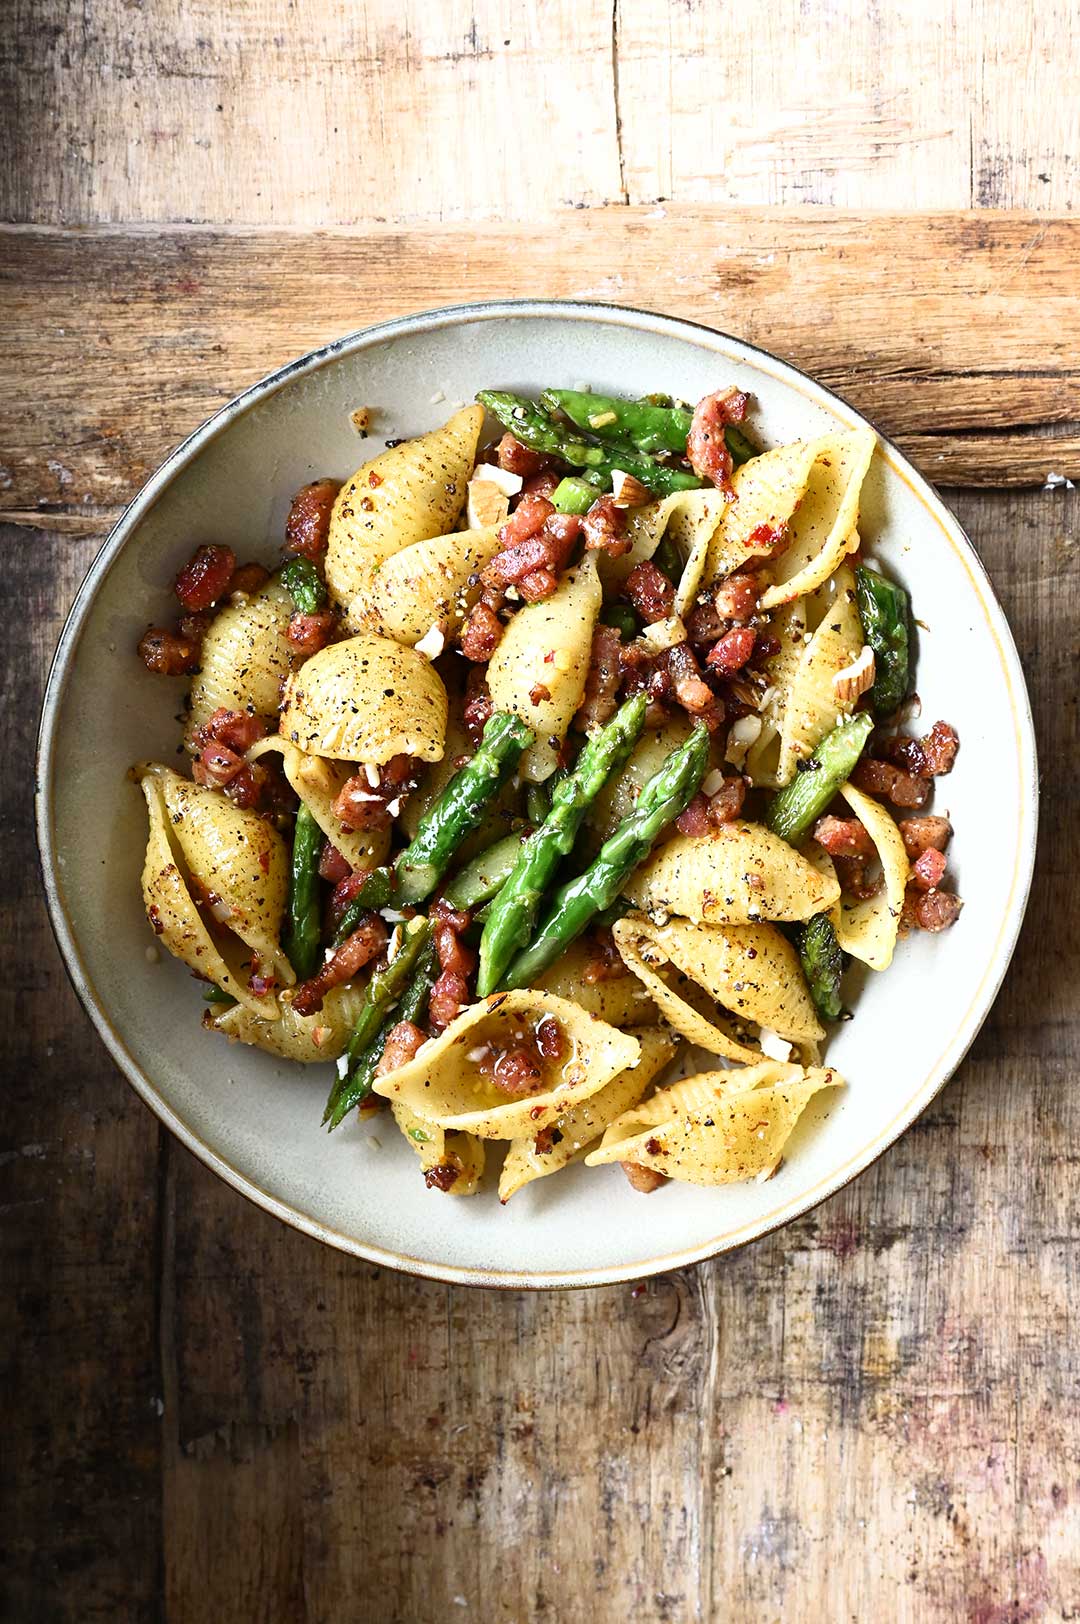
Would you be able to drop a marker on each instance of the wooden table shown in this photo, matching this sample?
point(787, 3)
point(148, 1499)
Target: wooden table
point(869, 1416)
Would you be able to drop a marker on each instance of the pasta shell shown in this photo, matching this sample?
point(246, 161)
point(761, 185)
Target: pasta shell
point(545, 651)
point(619, 1000)
point(176, 920)
point(788, 626)
point(318, 783)
point(309, 1039)
point(583, 1124)
point(811, 705)
point(824, 527)
point(365, 700)
point(768, 491)
point(750, 970)
point(422, 586)
point(245, 658)
point(438, 1149)
point(408, 493)
point(739, 873)
point(868, 929)
point(717, 1127)
point(445, 1086)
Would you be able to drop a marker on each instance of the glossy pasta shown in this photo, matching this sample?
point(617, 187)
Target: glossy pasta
point(246, 656)
point(366, 700)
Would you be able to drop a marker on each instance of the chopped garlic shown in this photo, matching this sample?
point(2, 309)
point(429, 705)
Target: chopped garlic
point(372, 774)
point(432, 643)
point(392, 916)
point(600, 420)
point(713, 782)
point(855, 678)
point(744, 733)
point(664, 634)
point(773, 1045)
point(394, 807)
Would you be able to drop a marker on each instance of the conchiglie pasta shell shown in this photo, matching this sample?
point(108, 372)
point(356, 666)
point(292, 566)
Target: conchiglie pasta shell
point(318, 783)
point(687, 519)
point(768, 490)
point(176, 920)
point(811, 708)
point(309, 1039)
point(365, 700)
point(638, 943)
point(579, 1127)
point(620, 1000)
point(237, 857)
point(824, 527)
point(444, 1086)
point(788, 626)
point(868, 929)
point(411, 492)
point(751, 970)
point(245, 658)
point(739, 873)
point(422, 586)
point(437, 1148)
point(548, 644)
point(718, 1128)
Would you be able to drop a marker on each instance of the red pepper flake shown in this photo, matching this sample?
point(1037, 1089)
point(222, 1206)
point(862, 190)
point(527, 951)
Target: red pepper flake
point(537, 1111)
point(374, 479)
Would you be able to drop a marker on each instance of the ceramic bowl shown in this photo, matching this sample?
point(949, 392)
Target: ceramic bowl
point(255, 1121)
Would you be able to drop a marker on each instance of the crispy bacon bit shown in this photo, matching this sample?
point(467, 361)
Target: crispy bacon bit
point(517, 458)
point(602, 682)
point(604, 528)
point(538, 585)
point(449, 996)
point(924, 834)
point(205, 577)
point(644, 1179)
point(928, 757)
point(332, 865)
point(937, 910)
point(706, 446)
point(215, 766)
point(928, 870)
point(605, 962)
point(366, 941)
point(478, 704)
point(891, 783)
point(526, 520)
point(690, 691)
point(363, 805)
point(650, 592)
point(542, 484)
point(736, 598)
point(449, 923)
point(844, 837)
point(550, 1038)
point(694, 819)
point(443, 1176)
point(707, 812)
point(517, 1072)
point(170, 654)
point(236, 729)
point(307, 634)
point(308, 524)
point(854, 881)
point(536, 543)
point(248, 578)
point(538, 694)
point(402, 1042)
point(733, 650)
point(344, 892)
point(222, 742)
point(481, 634)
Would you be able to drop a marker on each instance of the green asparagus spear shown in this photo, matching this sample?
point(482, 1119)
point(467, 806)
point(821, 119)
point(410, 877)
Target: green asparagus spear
point(356, 1068)
point(622, 617)
point(216, 995)
point(737, 443)
point(302, 580)
point(460, 807)
point(302, 928)
point(823, 964)
point(413, 1007)
point(611, 417)
point(518, 903)
point(664, 797)
point(793, 809)
point(667, 560)
point(479, 880)
point(885, 612)
point(574, 495)
point(529, 424)
point(537, 803)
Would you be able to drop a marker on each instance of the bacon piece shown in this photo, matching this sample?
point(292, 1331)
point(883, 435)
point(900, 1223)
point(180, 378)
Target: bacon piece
point(517, 1072)
point(706, 446)
point(481, 635)
point(891, 783)
point(449, 923)
point(517, 458)
point(736, 598)
point(366, 941)
point(851, 873)
point(332, 865)
point(928, 757)
point(844, 837)
point(644, 1179)
point(443, 1176)
point(650, 592)
point(308, 525)
point(344, 892)
point(732, 651)
point(170, 654)
point(550, 1038)
point(690, 691)
point(215, 766)
point(928, 870)
point(238, 730)
point(605, 962)
point(248, 578)
point(602, 681)
point(402, 1042)
point(478, 704)
point(205, 577)
point(449, 996)
point(525, 521)
point(307, 634)
point(931, 910)
point(694, 819)
point(707, 812)
point(538, 585)
point(604, 528)
point(924, 834)
point(544, 484)
point(360, 804)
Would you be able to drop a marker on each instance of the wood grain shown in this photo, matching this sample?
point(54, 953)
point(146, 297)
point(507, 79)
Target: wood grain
point(958, 334)
point(330, 113)
point(869, 1415)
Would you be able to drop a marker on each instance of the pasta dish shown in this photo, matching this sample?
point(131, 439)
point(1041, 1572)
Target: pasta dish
point(547, 788)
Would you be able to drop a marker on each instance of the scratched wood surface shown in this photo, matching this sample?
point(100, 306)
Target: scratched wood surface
point(871, 1415)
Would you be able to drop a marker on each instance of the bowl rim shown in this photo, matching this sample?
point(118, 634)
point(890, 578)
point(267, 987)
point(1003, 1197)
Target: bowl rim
point(419, 323)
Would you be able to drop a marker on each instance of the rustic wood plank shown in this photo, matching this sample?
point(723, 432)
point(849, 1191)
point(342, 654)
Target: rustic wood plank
point(868, 1415)
point(277, 114)
point(959, 333)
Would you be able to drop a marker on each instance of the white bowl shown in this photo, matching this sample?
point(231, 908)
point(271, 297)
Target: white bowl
point(255, 1120)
